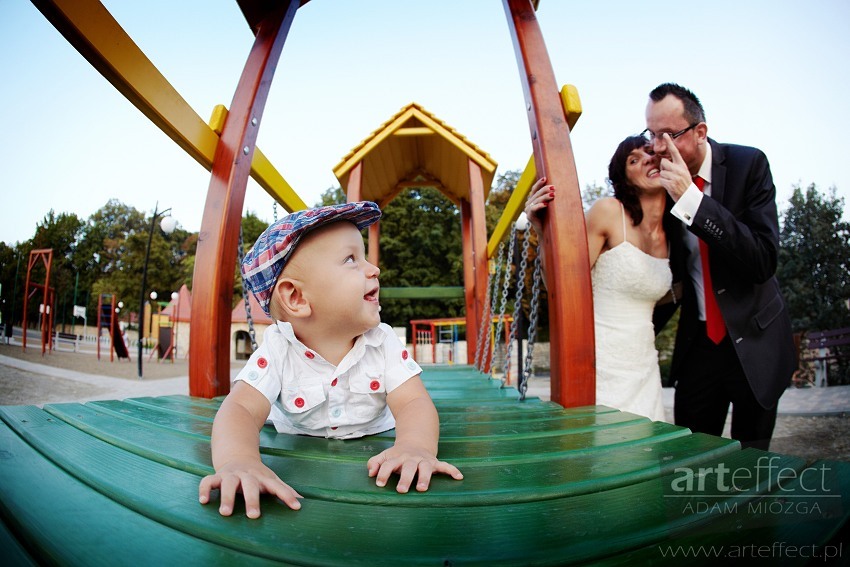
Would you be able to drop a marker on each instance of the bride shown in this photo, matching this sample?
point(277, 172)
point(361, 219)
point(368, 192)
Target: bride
point(630, 272)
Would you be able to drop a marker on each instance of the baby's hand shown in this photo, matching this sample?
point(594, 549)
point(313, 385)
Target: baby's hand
point(408, 460)
point(251, 478)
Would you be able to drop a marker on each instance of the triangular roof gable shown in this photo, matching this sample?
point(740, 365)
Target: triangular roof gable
point(238, 314)
point(415, 148)
point(183, 311)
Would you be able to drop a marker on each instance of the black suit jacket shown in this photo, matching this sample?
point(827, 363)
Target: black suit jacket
point(740, 225)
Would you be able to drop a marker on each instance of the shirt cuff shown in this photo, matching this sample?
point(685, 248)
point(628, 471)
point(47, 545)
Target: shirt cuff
point(686, 207)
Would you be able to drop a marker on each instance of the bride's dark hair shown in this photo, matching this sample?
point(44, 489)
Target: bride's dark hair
point(623, 190)
point(627, 193)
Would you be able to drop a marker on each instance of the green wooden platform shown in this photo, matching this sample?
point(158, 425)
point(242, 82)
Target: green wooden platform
point(116, 483)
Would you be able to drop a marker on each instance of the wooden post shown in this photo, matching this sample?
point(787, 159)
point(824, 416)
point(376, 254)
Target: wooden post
point(353, 193)
point(212, 294)
point(573, 360)
point(472, 314)
point(479, 256)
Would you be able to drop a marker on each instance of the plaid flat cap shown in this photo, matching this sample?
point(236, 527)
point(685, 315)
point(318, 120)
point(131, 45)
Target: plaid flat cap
point(266, 259)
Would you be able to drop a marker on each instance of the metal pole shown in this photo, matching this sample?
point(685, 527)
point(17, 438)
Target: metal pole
point(14, 296)
point(156, 213)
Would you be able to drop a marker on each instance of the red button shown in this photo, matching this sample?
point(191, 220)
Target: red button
point(374, 384)
point(309, 355)
point(404, 354)
point(299, 402)
point(334, 428)
point(262, 362)
point(334, 382)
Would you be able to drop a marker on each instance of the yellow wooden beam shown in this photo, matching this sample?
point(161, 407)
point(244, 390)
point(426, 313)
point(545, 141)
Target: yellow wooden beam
point(516, 204)
point(572, 104)
point(95, 34)
point(262, 170)
point(414, 132)
point(343, 167)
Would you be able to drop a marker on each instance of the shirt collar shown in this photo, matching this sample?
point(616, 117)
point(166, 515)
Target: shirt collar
point(705, 168)
point(373, 337)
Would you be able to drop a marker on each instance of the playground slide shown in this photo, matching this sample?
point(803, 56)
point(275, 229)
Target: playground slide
point(118, 343)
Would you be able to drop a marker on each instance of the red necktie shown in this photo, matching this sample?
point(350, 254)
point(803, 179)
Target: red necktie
point(714, 327)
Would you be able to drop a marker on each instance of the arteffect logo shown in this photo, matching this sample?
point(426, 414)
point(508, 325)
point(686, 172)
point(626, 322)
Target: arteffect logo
point(714, 489)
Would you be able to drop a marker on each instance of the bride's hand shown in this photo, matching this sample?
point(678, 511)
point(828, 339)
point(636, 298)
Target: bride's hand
point(538, 200)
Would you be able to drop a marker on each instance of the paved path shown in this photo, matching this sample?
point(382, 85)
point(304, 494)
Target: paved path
point(834, 400)
point(103, 387)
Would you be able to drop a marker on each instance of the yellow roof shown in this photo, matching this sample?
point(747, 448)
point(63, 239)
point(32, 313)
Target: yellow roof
point(414, 148)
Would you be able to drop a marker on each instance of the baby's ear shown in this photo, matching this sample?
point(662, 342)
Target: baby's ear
point(290, 297)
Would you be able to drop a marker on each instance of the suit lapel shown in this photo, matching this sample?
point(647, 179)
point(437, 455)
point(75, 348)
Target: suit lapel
point(718, 171)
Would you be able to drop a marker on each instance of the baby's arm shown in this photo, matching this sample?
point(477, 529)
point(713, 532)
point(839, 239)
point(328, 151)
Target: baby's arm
point(417, 436)
point(236, 455)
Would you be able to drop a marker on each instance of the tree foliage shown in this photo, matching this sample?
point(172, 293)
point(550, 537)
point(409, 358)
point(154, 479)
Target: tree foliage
point(814, 260)
point(420, 247)
point(814, 266)
point(593, 193)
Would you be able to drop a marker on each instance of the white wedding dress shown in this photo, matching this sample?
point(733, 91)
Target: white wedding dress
point(627, 283)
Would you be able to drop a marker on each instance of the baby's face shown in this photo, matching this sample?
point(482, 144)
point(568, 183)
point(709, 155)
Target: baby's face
point(340, 284)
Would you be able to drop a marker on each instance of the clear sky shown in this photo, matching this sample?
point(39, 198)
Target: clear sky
point(771, 73)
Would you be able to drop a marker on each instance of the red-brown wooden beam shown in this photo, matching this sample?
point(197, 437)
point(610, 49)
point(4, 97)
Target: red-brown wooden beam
point(479, 256)
point(573, 360)
point(472, 321)
point(215, 260)
point(353, 193)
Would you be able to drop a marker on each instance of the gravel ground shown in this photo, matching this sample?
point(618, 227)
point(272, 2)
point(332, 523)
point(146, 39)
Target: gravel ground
point(812, 438)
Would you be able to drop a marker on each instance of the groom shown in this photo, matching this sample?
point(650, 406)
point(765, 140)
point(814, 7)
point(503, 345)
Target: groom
point(734, 342)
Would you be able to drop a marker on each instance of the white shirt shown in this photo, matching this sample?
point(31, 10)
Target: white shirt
point(311, 396)
point(685, 209)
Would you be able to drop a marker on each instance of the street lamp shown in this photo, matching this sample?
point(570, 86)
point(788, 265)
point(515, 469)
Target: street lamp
point(153, 297)
point(168, 225)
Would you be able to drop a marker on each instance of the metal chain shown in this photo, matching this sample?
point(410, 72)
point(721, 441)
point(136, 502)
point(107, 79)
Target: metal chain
point(274, 210)
point(520, 288)
point(241, 254)
point(505, 286)
point(483, 330)
point(536, 277)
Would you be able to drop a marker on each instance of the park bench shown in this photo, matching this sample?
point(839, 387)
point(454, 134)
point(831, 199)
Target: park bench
point(818, 349)
point(116, 482)
point(822, 345)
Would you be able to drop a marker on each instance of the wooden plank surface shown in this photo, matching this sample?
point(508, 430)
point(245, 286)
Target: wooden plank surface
point(117, 481)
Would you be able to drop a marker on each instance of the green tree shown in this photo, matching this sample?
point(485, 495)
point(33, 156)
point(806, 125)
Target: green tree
point(252, 227)
point(332, 196)
point(111, 256)
point(499, 196)
point(814, 263)
point(61, 233)
point(13, 268)
point(420, 246)
point(593, 193)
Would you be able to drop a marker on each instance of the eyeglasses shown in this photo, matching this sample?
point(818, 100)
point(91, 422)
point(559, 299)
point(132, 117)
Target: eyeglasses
point(650, 136)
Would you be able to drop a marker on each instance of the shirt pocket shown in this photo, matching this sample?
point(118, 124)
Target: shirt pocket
point(302, 399)
point(368, 395)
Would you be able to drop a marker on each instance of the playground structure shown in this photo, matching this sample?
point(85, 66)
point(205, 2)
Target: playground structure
point(46, 313)
point(107, 319)
point(545, 483)
point(435, 341)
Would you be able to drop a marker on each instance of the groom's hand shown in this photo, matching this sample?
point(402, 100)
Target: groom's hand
point(675, 176)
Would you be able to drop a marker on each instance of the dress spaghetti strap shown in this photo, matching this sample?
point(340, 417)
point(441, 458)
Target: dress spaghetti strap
point(623, 215)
